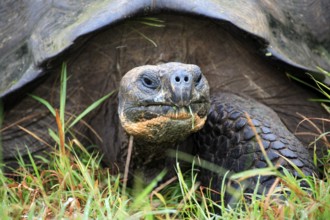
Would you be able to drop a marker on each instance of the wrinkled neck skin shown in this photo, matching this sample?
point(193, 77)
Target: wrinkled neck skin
point(149, 159)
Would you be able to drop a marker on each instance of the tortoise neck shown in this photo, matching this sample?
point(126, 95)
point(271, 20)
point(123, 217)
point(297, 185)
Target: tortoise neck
point(152, 151)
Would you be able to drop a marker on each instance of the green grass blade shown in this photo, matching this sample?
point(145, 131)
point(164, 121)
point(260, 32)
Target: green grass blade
point(192, 118)
point(53, 135)
point(320, 100)
point(89, 109)
point(145, 37)
point(299, 171)
point(268, 171)
point(45, 103)
point(87, 208)
point(141, 197)
point(302, 82)
point(63, 93)
point(152, 24)
point(1, 121)
point(323, 71)
point(35, 169)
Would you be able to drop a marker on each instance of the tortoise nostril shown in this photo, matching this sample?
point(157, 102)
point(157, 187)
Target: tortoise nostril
point(179, 79)
point(181, 88)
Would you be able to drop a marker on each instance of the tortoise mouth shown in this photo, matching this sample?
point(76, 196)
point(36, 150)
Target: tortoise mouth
point(163, 123)
point(144, 112)
point(159, 123)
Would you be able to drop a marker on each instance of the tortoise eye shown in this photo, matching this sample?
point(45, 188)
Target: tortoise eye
point(149, 82)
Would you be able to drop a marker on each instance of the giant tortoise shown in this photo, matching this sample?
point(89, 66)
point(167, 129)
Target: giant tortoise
point(243, 48)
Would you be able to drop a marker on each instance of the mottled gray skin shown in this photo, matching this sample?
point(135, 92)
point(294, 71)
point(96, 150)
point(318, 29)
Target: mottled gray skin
point(227, 139)
point(177, 91)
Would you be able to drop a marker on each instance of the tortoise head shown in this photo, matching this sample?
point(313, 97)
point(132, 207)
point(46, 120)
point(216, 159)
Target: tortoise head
point(163, 103)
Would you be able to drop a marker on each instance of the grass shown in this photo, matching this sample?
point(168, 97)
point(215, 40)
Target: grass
point(72, 184)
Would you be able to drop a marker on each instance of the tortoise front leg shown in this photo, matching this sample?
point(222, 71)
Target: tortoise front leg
point(228, 140)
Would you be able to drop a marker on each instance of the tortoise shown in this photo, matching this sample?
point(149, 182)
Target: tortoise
point(160, 106)
point(243, 52)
